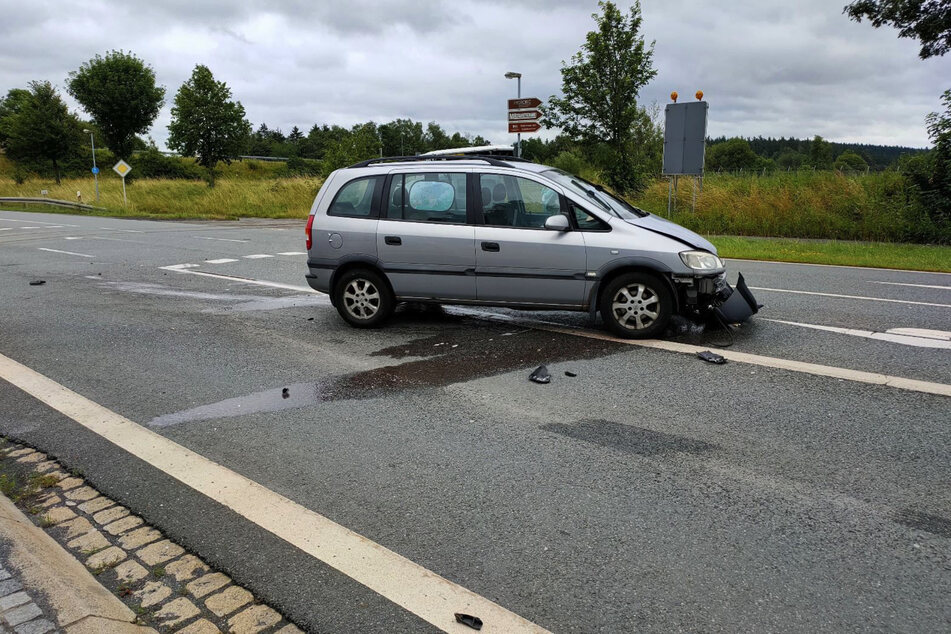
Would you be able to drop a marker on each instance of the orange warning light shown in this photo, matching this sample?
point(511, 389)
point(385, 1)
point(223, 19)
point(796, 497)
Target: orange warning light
point(674, 96)
point(699, 95)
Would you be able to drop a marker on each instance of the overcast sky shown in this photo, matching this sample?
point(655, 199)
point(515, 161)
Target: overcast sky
point(767, 67)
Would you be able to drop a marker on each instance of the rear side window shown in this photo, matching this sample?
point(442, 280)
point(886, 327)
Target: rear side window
point(427, 197)
point(510, 201)
point(355, 199)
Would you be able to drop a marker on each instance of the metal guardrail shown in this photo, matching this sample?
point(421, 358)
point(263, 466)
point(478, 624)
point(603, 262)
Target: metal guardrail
point(48, 201)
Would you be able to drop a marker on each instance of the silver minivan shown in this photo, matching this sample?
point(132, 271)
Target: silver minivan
point(506, 232)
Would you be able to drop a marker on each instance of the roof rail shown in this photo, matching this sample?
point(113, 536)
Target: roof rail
point(491, 160)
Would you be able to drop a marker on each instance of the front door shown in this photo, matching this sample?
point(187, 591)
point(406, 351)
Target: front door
point(518, 261)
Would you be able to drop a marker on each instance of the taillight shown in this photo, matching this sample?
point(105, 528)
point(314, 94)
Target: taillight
point(310, 225)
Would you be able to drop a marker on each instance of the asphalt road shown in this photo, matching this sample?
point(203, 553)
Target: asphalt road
point(652, 492)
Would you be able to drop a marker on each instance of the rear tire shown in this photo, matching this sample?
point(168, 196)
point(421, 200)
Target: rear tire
point(363, 298)
point(636, 305)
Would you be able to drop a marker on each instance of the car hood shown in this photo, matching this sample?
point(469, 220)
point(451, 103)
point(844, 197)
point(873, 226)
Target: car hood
point(672, 230)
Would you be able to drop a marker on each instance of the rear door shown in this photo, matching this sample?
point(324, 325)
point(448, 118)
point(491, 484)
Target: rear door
point(424, 240)
point(518, 260)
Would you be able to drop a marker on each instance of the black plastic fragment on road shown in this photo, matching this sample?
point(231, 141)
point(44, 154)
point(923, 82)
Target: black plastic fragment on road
point(540, 375)
point(467, 619)
point(37, 282)
point(286, 392)
point(711, 357)
point(570, 373)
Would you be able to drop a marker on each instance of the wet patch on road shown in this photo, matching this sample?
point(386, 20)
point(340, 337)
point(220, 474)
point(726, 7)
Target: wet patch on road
point(628, 438)
point(934, 524)
point(475, 352)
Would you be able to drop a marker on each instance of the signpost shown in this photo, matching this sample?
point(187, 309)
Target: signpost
point(685, 131)
point(523, 116)
point(122, 169)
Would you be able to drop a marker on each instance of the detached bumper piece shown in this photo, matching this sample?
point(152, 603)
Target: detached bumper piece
point(737, 304)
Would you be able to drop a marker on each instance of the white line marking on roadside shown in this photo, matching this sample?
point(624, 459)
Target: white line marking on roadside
point(257, 256)
point(36, 222)
point(841, 266)
point(870, 299)
point(178, 267)
point(858, 376)
point(122, 230)
point(246, 280)
point(888, 335)
point(82, 255)
point(293, 253)
point(31, 227)
point(405, 583)
point(69, 237)
point(943, 335)
point(944, 288)
point(220, 239)
point(7, 228)
point(221, 261)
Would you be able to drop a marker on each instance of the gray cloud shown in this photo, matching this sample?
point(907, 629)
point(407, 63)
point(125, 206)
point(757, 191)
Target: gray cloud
point(791, 69)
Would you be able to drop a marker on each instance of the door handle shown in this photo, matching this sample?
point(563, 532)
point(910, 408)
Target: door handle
point(490, 246)
point(394, 240)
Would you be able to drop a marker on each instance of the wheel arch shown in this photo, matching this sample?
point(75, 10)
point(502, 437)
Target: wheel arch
point(353, 263)
point(633, 265)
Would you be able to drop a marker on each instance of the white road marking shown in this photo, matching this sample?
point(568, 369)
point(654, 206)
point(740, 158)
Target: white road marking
point(944, 335)
point(7, 228)
point(944, 288)
point(409, 585)
point(234, 278)
point(220, 239)
point(178, 267)
point(31, 227)
point(257, 256)
point(122, 230)
point(82, 255)
point(36, 222)
point(889, 335)
point(870, 299)
point(293, 253)
point(68, 238)
point(858, 376)
point(841, 266)
point(221, 261)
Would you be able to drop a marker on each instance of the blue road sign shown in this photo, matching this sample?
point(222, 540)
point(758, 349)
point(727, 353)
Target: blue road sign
point(95, 170)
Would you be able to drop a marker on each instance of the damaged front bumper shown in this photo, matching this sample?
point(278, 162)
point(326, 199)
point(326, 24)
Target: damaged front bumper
point(705, 294)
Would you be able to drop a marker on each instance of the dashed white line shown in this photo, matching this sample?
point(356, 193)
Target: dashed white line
point(221, 239)
point(293, 253)
point(82, 255)
point(861, 297)
point(897, 335)
point(221, 261)
point(433, 598)
point(257, 256)
point(944, 288)
point(7, 228)
point(178, 268)
point(841, 266)
point(31, 227)
point(36, 222)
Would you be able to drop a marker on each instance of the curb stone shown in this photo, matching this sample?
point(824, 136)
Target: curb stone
point(151, 581)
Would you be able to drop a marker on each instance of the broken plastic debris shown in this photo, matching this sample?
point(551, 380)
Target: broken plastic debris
point(467, 619)
point(286, 392)
point(37, 282)
point(540, 375)
point(711, 357)
point(570, 373)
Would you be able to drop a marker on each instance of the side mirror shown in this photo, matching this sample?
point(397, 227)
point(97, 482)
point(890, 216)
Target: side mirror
point(558, 222)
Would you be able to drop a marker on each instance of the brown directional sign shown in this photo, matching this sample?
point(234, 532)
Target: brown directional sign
point(524, 102)
point(525, 115)
point(524, 126)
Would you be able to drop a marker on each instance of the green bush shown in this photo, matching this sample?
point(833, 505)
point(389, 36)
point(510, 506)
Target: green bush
point(153, 164)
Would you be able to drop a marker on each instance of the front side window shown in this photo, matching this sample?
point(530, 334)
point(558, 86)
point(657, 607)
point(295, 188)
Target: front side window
point(586, 221)
point(427, 197)
point(511, 201)
point(355, 199)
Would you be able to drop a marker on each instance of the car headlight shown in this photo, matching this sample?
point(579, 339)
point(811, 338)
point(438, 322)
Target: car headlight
point(701, 260)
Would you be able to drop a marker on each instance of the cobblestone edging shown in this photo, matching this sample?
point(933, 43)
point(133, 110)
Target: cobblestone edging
point(19, 613)
point(169, 589)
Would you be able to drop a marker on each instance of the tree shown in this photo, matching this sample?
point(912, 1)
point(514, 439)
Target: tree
point(938, 188)
point(849, 160)
point(119, 93)
point(928, 21)
point(206, 122)
point(38, 127)
point(730, 155)
point(361, 142)
point(600, 87)
point(820, 154)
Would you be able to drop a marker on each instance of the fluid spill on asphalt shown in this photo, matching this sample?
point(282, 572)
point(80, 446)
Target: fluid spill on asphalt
point(475, 351)
point(934, 524)
point(628, 438)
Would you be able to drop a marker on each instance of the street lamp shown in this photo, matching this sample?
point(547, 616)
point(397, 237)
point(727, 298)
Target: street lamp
point(95, 170)
point(518, 94)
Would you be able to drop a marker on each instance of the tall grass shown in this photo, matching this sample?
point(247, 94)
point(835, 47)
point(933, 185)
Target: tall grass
point(877, 206)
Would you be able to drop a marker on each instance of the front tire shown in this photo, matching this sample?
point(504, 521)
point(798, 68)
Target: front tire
point(363, 298)
point(636, 305)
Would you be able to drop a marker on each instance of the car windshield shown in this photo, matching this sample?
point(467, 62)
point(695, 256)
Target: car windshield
point(597, 194)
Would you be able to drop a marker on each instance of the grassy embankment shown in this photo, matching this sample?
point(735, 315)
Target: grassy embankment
point(781, 217)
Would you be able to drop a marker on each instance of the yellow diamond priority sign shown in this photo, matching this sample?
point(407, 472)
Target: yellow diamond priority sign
point(122, 168)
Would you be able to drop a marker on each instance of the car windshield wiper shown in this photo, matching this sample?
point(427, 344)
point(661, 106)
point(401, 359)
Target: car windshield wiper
point(594, 197)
